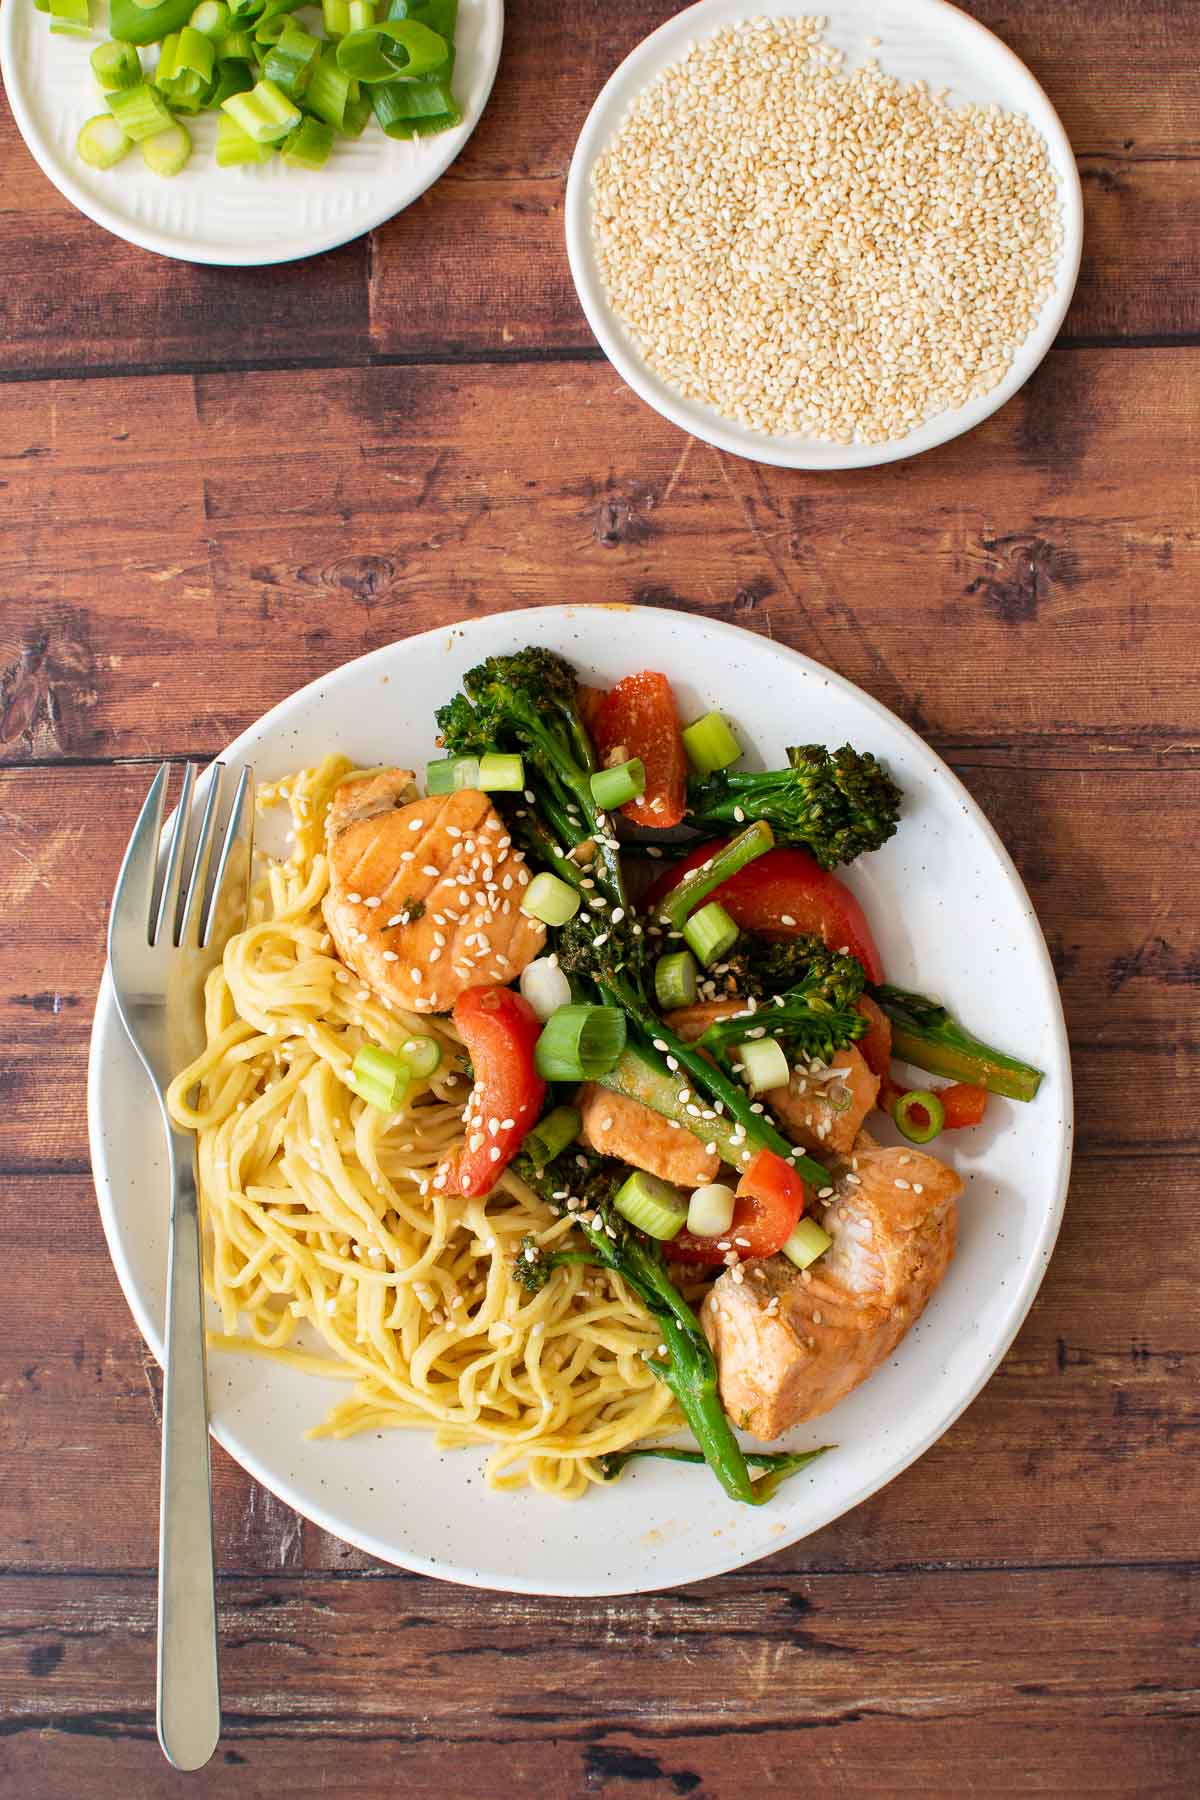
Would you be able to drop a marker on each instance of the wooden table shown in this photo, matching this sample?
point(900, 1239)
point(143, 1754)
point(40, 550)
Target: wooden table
point(216, 485)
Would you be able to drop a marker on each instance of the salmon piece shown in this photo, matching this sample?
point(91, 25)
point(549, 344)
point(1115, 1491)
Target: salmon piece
point(614, 1125)
point(790, 1345)
point(424, 895)
point(805, 1107)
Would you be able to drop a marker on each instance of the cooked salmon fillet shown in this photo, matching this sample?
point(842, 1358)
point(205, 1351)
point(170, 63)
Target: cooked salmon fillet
point(617, 1126)
point(424, 895)
point(790, 1345)
point(821, 1108)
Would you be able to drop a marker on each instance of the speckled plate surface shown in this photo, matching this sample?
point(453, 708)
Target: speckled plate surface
point(950, 914)
point(914, 40)
point(266, 214)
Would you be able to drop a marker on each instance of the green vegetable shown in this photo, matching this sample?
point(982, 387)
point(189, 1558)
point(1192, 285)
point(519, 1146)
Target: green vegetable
point(764, 1066)
point(710, 744)
point(335, 16)
point(579, 1043)
point(500, 774)
point(421, 1056)
point(134, 24)
point(805, 1242)
point(230, 78)
point(238, 46)
point(406, 109)
point(309, 145)
point(361, 15)
point(185, 69)
point(450, 773)
point(264, 114)
point(919, 1115)
point(101, 143)
point(687, 894)
point(612, 788)
point(388, 1074)
point(925, 1034)
point(653, 1206)
point(550, 900)
point(327, 97)
point(139, 111)
point(235, 147)
point(167, 152)
point(675, 980)
point(816, 1016)
point(289, 63)
point(710, 932)
point(71, 12)
point(212, 17)
point(392, 48)
point(837, 805)
point(116, 66)
point(551, 1135)
point(777, 1464)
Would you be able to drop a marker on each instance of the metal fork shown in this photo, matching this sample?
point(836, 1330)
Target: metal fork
point(162, 941)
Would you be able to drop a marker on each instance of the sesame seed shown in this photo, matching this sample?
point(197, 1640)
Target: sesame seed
point(431, 870)
point(901, 1183)
point(354, 899)
point(416, 977)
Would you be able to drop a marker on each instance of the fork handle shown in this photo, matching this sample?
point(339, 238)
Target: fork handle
point(189, 1699)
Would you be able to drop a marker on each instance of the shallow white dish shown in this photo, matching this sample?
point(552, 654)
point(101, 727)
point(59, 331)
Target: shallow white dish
point(917, 40)
point(396, 1496)
point(246, 216)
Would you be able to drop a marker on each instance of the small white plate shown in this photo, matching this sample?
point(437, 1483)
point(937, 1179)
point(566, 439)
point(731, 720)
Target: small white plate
point(950, 915)
point(269, 213)
point(925, 40)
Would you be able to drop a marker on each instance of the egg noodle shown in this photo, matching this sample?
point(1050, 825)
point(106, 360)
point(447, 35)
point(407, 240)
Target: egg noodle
point(319, 1211)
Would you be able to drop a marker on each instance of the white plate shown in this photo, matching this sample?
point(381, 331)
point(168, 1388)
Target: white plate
point(966, 931)
point(247, 216)
point(918, 40)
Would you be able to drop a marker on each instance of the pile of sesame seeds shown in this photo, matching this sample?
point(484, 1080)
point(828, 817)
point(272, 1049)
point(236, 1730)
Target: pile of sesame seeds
point(810, 250)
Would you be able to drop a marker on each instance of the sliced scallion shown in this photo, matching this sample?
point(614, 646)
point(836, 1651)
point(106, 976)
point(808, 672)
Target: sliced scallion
point(167, 152)
point(212, 18)
point(551, 1135)
point(375, 1093)
point(393, 47)
point(290, 62)
point(710, 933)
point(361, 15)
point(309, 145)
point(231, 78)
point(764, 1065)
point(579, 1043)
point(919, 1115)
point(550, 900)
point(710, 1210)
point(237, 46)
point(391, 1074)
point(654, 1206)
point(710, 744)
point(116, 66)
point(327, 96)
point(449, 773)
point(408, 109)
point(615, 787)
point(133, 23)
point(675, 980)
point(264, 114)
point(545, 986)
point(234, 147)
point(335, 16)
point(101, 143)
point(806, 1241)
point(421, 1055)
point(140, 111)
point(71, 12)
point(501, 774)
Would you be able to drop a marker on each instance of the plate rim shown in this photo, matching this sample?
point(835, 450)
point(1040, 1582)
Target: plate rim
point(1025, 1290)
point(710, 426)
point(215, 256)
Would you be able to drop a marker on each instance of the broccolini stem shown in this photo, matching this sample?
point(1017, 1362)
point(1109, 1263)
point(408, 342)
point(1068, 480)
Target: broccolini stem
point(779, 1464)
point(925, 1034)
point(698, 883)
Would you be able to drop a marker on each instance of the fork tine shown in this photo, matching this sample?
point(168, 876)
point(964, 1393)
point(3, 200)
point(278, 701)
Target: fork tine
point(135, 885)
point(193, 899)
point(168, 906)
point(231, 883)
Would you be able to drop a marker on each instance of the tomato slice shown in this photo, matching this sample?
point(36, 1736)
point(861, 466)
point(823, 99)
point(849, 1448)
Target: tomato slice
point(500, 1029)
point(785, 892)
point(876, 1046)
point(638, 717)
point(770, 1198)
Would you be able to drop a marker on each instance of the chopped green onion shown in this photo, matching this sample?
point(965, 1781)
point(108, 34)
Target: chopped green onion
point(375, 1093)
point(116, 65)
point(358, 111)
point(335, 16)
point(290, 63)
point(328, 93)
point(408, 109)
point(309, 145)
point(394, 47)
point(74, 12)
point(551, 1135)
point(545, 986)
point(710, 744)
point(763, 1064)
point(654, 1206)
point(139, 111)
point(449, 773)
point(167, 152)
point(238, 46)
point(268, 31)
point(421, 1056)
point(710, 933)
point(361, 15)
point(501, 774)
point(391, 1074)
point(134, 24)
point(101, 143)
point(806, 1241)
point(697, 883)
point(232, 78)
point(550, 900)
point(919, 1115)
point(185, 69)
point(710, 1210)
point(264, 114)
point(235, 147)
point(675, 980)
point(614, 787)
point(579, 1043)
point(64, 28)
point(212, 18)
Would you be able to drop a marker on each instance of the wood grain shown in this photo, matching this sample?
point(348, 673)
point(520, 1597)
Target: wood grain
point(478, 268)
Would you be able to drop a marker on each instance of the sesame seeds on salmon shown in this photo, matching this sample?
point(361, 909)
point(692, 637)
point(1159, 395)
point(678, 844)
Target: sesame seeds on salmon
point(424, 895)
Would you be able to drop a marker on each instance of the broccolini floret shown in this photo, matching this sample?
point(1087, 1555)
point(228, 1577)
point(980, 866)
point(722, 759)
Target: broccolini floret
point(837, 804)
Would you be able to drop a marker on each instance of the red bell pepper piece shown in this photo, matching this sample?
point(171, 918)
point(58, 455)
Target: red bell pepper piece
point(638, 717)
point(500, 1029)
point(784, 892)
point(876, 1046)
point(963, 1104)
point(770, 1198)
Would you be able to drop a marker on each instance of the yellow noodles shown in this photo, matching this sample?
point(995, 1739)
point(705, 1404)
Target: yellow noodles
point(318, 1210)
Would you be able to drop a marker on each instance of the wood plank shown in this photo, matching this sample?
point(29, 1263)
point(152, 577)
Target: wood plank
point(1097, 1400)
point(1071, 1682)
point(391, 500)
point(477, 265)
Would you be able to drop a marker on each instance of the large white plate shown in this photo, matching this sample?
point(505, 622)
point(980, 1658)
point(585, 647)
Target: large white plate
point(950, 913)
point(918, 40)
point(267, 214)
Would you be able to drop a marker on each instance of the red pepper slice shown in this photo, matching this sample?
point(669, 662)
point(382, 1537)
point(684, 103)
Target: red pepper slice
point(876, 1046)
point(785, 892)
point(500, 1029)
point(638, 717)
point(770, 1198)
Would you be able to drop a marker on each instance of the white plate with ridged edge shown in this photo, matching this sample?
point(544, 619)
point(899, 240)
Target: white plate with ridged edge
point(243, 217)
point(397, 1497)
point(913, 40)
